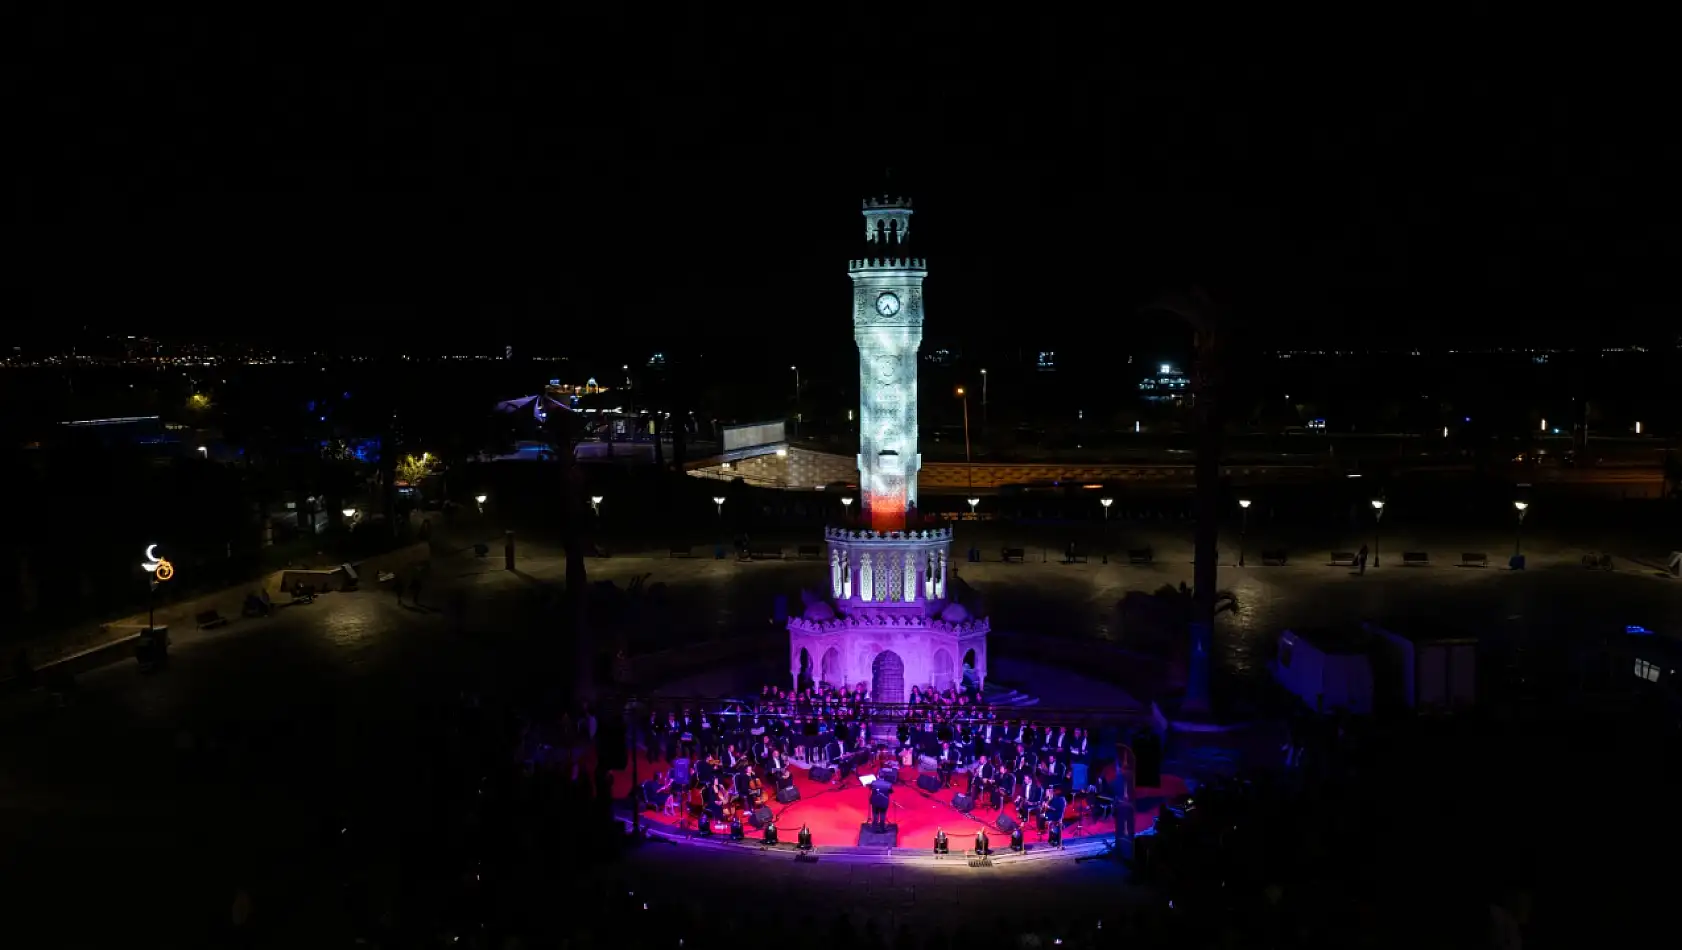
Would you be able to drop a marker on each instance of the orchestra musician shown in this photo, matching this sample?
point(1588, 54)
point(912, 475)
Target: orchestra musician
point(982, 780)
point(777, 768)
point(1055, 808)
point(1005, 791)
point(948, 764)
point(755, 791)
point(1031, 803)
point(1077, 745)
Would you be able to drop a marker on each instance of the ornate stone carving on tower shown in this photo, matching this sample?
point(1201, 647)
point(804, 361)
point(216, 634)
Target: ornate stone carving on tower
point(890, 621)
point(888, 328)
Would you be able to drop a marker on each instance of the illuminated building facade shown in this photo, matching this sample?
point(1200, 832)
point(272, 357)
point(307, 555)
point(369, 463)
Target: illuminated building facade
point(888, 327)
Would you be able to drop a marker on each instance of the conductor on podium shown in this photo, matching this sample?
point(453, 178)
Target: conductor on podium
point(880, 797)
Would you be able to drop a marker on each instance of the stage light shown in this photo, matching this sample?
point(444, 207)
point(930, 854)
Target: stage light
point(983, 847)
point(1016, 840)
point(804, 841)
point(1054, 837)
point(940, 845)
point(737, 833)
point(770, 837)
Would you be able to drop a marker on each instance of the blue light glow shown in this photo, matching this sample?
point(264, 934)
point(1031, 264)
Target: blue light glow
point(1638, 631)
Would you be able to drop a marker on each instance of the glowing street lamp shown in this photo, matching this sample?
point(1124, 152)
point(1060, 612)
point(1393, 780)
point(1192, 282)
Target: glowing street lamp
point(596, 504)
point(718, 501)
point(973, 501)
point(1244, 529)
point(1518, 540)
point(480, 498)
point(969, 468)
point(847, 503)
point(1378, 522)
point(349, 513)
point(1106, 502)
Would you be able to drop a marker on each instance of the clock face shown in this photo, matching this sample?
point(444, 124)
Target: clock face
point(887, 305)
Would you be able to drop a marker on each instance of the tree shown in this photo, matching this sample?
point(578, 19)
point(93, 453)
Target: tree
point(566, 430)
point(1197, 308)
point(412, 469)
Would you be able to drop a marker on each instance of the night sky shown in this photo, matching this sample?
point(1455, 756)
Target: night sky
point(575, 181)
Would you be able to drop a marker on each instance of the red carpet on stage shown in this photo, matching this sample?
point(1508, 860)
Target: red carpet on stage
point(835, 814)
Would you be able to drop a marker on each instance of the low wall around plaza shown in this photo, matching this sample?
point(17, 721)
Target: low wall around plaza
point(802, 468)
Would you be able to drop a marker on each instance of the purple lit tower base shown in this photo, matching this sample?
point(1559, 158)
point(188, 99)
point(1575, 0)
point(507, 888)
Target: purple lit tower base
point(889, 623)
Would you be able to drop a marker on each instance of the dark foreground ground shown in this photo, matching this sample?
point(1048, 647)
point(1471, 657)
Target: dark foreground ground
point(139, 811)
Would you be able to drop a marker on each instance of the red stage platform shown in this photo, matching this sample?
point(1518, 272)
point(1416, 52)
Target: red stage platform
point(834, 813)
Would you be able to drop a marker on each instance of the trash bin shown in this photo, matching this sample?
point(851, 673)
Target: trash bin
point(1516, 562)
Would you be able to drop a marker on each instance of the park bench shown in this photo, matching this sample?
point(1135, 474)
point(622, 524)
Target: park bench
point(1074, 556)
point(1415, 559)
point(1019, 555)
point(1274, 558)
point(1343, 558)
point(809, 552)
point(765, 554)
point(679, 550)
point(209, 619)
point(1139, 556)
point(1474, 559)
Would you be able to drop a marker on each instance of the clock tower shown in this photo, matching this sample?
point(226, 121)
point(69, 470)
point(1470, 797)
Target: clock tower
point(888, 327)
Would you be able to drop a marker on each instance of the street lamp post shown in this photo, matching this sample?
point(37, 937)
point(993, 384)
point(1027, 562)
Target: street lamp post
point(796, 371)
point(718, 501)
point(847, 505)
point(1244, 529)
point(1378, 522)
point(596, 505)
point(969, 468)
point(479, 500)
point(1106, 502)
point(984, 401)
point(973, 501)
point(1518, 539)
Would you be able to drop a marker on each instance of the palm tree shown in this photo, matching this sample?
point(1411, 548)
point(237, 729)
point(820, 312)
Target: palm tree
point(1197, 308)
point(567, 429)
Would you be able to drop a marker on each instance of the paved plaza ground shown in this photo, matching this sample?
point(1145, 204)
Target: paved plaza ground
point(328, 707)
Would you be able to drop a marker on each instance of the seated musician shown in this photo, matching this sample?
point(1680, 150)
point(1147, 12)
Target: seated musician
point(1054, 769)
point(1077, 745)
point(715, 796)
point(948, 764)
point(981, 780)
point(1055, 808)
point(763, 751)
point(1032, 803)
point(1005, 790)
point(777, 768)
point(1103, 798)
point(732, 759)
point(654, 789)
point(841, 756)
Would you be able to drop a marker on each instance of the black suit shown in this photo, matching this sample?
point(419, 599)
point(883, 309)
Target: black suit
point(880, 796)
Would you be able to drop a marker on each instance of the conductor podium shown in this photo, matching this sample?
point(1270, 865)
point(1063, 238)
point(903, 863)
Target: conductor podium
point(870, 837)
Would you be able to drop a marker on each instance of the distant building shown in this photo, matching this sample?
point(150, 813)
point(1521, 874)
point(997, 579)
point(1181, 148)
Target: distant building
point(1167, 384)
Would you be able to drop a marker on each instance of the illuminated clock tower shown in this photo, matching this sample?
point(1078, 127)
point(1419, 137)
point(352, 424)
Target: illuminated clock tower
point(888, 327)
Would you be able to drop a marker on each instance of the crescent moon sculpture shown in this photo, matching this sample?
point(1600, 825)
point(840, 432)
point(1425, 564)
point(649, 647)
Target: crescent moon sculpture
point(149, 555)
